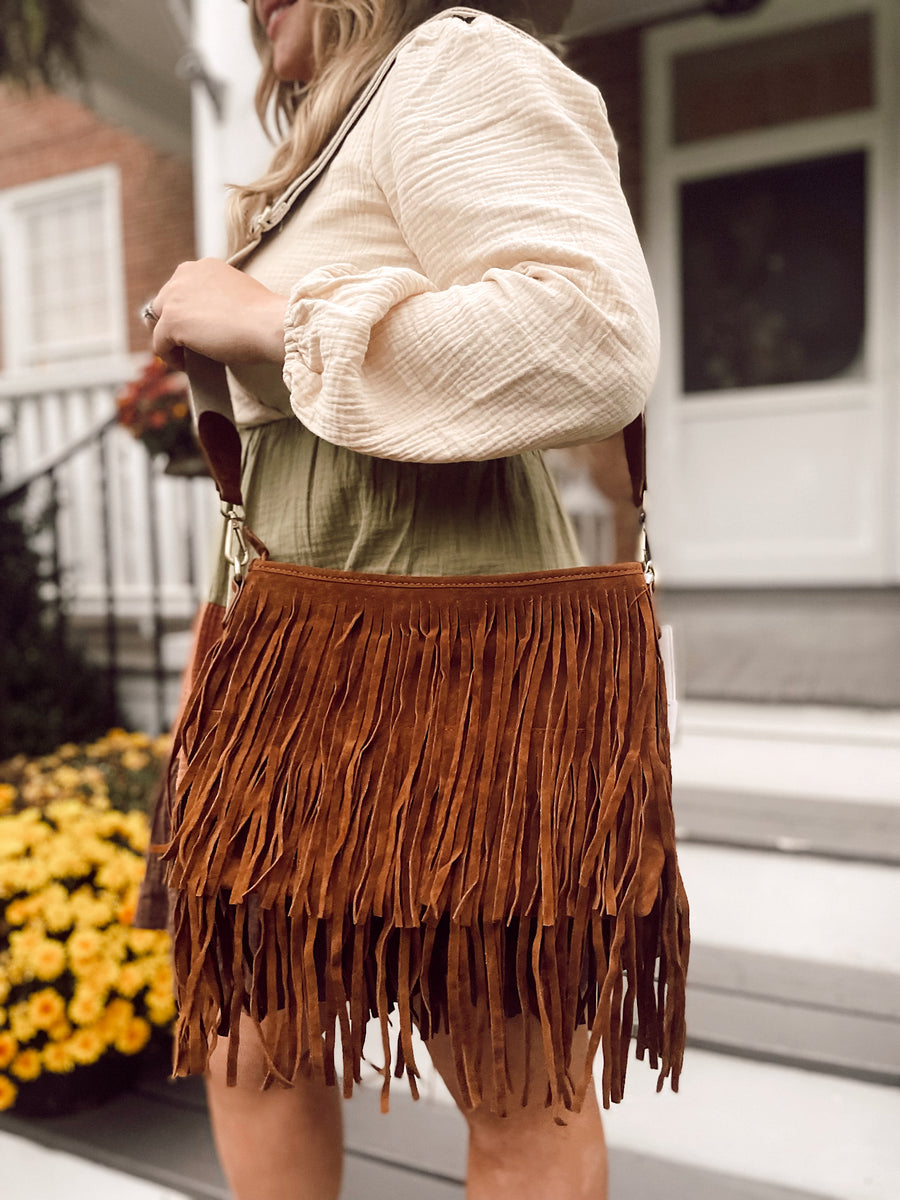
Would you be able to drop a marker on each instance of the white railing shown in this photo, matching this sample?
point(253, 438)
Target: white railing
point(127, 533)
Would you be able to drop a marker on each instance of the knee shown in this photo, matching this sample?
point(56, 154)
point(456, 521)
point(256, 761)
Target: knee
point(252, 1068)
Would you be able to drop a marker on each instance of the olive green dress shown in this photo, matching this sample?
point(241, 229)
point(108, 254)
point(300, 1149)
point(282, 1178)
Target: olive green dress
point(325, 506)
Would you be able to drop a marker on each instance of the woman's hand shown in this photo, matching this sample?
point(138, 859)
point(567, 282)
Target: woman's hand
point(218, 311)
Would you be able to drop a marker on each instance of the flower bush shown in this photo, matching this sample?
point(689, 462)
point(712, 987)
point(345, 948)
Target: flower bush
point(81, 991)
point(154, 408)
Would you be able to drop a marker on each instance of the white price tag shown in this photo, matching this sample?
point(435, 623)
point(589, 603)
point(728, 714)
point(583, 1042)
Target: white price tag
point(667, 650)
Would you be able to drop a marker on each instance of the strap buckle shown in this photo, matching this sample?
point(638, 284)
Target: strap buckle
point(645, 557)
point(237, 551)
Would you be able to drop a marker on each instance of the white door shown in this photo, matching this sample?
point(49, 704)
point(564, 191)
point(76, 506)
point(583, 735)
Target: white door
point(773, 222)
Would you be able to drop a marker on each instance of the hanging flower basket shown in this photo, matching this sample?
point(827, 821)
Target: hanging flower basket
point(83, 995)
point(154, 408)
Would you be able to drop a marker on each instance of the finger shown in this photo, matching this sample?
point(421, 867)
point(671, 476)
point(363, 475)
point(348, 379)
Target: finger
point(166, 348)
point(151, 312)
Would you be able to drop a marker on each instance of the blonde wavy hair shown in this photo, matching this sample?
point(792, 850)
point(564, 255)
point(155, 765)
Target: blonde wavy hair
point(349, 40)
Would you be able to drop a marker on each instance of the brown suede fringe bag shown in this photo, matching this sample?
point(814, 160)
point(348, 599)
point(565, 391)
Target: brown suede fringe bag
point(439, 802)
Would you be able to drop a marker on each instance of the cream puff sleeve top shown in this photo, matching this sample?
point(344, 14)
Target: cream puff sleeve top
point(465, 280)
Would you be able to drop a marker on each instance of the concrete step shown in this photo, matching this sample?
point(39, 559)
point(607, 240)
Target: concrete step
point(742, 1130)
point(795, 957)
point(813, 780)
point(32, 1171)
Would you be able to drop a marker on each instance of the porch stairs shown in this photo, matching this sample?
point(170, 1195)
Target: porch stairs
point(790, 848)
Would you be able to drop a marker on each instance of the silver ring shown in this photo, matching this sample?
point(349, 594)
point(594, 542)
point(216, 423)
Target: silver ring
point(148, 313)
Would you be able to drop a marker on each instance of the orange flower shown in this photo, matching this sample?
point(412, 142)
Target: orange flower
point(133, 1037)
point(46, 1008)
point(8, 1093)
point(85, 1045)
point(27, 1065)
point(8, 1048)
point(58, 1059)
point(48, 959)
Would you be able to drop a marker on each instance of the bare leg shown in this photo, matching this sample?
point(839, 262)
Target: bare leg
point(282, 1142)
point(526, 1155)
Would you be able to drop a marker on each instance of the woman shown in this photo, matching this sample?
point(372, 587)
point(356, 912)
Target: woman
point(461, 289)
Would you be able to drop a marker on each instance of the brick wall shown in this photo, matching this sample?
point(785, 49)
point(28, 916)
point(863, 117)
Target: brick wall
point(45, 135)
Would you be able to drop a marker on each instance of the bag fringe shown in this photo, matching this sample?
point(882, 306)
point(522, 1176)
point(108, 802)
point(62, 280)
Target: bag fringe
point(451, 800)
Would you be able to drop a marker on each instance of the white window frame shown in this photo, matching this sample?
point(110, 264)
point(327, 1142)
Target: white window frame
point(874, 553)
point(19, 351)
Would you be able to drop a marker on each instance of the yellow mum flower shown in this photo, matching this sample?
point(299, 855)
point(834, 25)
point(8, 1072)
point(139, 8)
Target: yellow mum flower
point(26, 876)
point(56, 915)
point(160, 1007)
point(17, 912)
point(103, 974)
point(119, 1013)
point(65, 862)
point(65, 811)
point(135, 760)
point(68, 750)
point(27, 1065)
point(24, 944)
point(84, 946)
point(133, 1037)
point(137, 831)
point(38, 833)
point(21, 1022)
point(86, 1045)
point(53, 893)
point(8, 1049)
point(7, 796)
point(60, 1031)
point(58, 1058)
point(148, 941)
point(12, 846)
point(88, 909)
point(116, 942)
point(86, 1006)
point(8, 1093)
point(67, 777)
point(46, 1007)
point(48, 960)
point(12, 971)
point(131, 979)
point(102, 852)
point(116, 874)
point(159, 973)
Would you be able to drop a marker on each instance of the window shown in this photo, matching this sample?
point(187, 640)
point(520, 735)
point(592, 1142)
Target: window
point(62, 269)
point(774, 275)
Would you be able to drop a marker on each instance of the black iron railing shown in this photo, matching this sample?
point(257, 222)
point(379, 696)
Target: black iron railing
point(43, 494)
